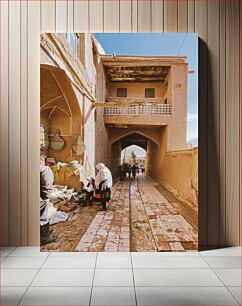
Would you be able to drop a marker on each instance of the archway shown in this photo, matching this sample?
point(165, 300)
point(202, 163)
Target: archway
point(130, 139)
point(149, 134)
point(135, 152)
point(134, 155)
point(59, 110)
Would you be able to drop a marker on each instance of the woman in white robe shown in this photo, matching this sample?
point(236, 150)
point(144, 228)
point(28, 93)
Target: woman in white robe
point(103, 184)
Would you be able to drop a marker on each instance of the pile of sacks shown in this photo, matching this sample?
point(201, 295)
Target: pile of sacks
point(57, 197)
point(61, 199)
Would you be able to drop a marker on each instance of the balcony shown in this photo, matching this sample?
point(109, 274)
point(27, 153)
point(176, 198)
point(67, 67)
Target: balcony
point(158, 114)
point(129, 100)
point(159, 109)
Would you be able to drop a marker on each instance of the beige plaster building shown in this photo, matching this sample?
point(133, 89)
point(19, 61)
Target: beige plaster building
point(153, 93)
point(72, 79)
point(159, 84)
point(113, 102)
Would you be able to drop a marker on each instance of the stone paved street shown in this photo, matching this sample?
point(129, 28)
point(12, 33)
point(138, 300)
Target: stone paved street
point(141, 217)
point(110, 230)
point(170, 229)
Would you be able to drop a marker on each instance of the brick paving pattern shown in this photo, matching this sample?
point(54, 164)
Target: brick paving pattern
point(110, 230)
point(141, 217)
point(170, 229)
point(142, 239)
point(69, 232)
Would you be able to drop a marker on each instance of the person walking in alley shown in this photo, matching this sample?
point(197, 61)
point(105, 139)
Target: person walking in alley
point(121, 172)
point(129, 170)
point(134, 171)
point(103, 184)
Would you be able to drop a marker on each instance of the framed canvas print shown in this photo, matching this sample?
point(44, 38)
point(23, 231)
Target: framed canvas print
point(119, 142)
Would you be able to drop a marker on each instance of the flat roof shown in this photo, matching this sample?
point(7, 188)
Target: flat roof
point(121, 68)
point(119, 60)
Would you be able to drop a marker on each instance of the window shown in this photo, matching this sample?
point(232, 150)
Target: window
point(149, 92)
point(121, 92)
point(73, 40)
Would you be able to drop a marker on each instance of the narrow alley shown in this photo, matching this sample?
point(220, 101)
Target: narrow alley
point(141, 217)
point(129, 113)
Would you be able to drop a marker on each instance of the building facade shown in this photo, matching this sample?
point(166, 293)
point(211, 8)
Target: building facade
point(72, 80)
point(112, 102)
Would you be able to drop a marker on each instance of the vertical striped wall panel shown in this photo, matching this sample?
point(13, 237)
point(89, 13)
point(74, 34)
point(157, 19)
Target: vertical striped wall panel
point(191, 15)
point(217, 23)
point(157, 16)
point(144, 16)
point(70, 15)
point(14, 122)
point(201, 28)
point(33, 83)
point(96, 16)
point(24, 123)
point(222, 127)
point(61, 16)
point(81, 16)
point(48, 16)
point(213, 117)
point(134, 16)
point(232, 132)
point(111, 16)
point(182, 16)
point(125, 16)
point(171, 15)
point(4, 122)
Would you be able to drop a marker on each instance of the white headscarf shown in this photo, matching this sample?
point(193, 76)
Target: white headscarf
point(102, 175)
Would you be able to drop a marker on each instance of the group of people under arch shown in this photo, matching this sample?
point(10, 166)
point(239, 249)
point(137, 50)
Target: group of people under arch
point(127, 170)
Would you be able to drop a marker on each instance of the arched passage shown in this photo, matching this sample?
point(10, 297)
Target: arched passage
point(150, 134)
point(59, 109)
point(152, 148)
point(134, 154)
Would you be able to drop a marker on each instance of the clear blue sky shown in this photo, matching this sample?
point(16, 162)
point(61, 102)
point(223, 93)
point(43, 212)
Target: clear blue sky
point(168, 44)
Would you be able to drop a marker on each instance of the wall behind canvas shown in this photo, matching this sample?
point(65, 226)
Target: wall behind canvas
point(217, 24)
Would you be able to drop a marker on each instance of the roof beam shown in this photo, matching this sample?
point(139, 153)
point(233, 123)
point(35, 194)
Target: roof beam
point(140, 79)
point(138, 73)
point(137, 64)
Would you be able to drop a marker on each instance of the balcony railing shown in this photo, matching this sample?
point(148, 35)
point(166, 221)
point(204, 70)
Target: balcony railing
point(128, 99)
point(159, 109)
